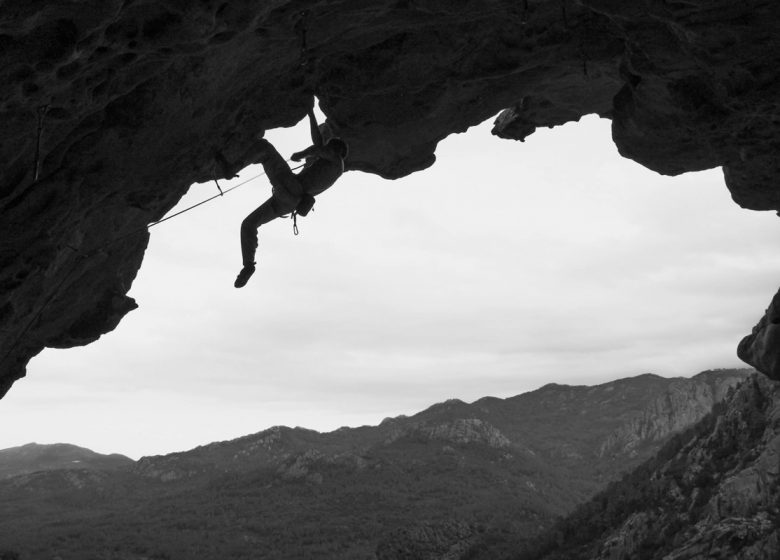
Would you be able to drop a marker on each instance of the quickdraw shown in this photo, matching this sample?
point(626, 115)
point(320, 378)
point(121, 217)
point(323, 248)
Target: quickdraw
point(42, 110)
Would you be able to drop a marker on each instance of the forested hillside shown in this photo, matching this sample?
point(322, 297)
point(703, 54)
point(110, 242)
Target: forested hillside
point(711, 492)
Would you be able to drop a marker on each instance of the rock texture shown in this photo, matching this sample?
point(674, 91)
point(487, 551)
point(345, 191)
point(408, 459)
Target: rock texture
point(722, 488)
point(712, 492)
point(685, 402)
point(761, 348)
point(459, 431)
point(112, 108)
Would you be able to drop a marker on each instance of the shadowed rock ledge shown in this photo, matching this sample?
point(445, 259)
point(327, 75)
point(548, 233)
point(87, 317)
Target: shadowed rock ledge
point(127, 103)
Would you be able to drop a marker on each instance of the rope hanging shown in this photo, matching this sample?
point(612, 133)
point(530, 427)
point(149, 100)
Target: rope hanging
point(221, 193)
point(96, 250)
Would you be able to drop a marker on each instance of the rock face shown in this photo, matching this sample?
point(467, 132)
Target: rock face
point(685, 402)
point(713, 492)
point(761, 348)
point(458, 431)
point(112, 108)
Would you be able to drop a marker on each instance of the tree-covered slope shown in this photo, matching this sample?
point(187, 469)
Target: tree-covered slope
point(711, 492)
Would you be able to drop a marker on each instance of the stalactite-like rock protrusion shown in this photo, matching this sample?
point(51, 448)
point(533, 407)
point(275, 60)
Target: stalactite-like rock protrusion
point(761, 348)
point(110, 109)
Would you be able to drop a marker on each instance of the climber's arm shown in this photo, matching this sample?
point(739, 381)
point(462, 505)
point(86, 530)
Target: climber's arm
point(316, 152)
point(311, 151)
point(316, 137)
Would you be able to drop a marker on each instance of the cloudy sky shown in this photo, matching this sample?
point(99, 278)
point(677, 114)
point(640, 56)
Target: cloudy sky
point(504, 267)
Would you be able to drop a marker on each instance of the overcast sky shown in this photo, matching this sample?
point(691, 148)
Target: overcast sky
point(504, 267)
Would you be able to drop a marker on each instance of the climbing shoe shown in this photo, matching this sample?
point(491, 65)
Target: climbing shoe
point(244, 276)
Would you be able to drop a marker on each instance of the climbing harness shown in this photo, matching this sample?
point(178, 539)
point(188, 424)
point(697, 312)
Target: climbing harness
point(305, 205)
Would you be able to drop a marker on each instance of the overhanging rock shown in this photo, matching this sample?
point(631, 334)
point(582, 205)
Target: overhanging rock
point(110, 109)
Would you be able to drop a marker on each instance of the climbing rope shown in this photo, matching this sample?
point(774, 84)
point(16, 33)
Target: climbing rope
point(184, 211)
point(84, 256)
point(202, 202)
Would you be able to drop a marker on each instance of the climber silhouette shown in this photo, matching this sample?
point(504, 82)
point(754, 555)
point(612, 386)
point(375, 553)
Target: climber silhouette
point(291, 192)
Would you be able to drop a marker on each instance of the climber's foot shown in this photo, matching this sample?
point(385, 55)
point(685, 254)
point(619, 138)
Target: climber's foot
point(244, 276)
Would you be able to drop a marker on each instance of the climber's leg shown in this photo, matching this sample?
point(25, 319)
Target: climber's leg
point(270, 209)
point(262, 215)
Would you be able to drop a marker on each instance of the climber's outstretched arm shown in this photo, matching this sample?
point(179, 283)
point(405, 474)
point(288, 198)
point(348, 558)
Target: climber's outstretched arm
point(311, 151)
point(316, 137)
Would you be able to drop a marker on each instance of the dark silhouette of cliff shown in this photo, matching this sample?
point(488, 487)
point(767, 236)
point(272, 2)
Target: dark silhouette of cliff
point(111, 109)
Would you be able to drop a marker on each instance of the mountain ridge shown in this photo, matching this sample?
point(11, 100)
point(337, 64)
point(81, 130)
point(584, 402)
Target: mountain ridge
point(33, 457)
point(537, 411)
point(452, 471)
point(546, 404)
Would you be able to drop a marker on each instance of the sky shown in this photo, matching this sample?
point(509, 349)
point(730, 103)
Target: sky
point(504, 267)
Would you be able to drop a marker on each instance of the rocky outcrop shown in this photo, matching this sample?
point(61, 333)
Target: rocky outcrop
point(684, 403)
point(112, 108)
point(761, 348)
point(712, 493)
point(301, 467)
point(460, 431)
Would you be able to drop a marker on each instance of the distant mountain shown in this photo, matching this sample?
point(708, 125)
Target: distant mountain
point(425, 486)
point(35, 457)
point(711, 492)
point(604, 429)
